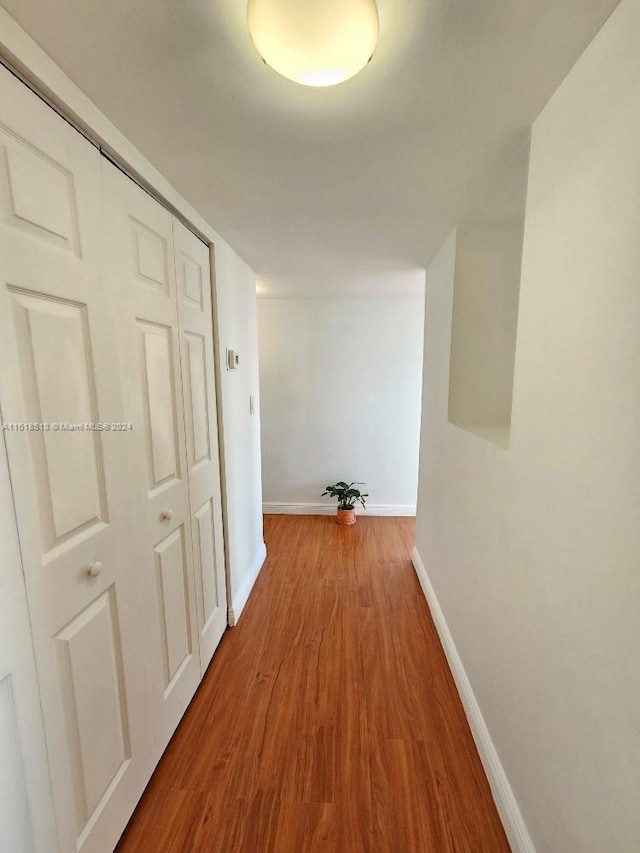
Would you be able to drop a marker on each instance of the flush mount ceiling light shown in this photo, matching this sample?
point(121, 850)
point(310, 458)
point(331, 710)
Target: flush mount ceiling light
point(314, 42)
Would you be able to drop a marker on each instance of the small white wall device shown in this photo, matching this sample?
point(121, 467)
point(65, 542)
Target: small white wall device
point(232, 359)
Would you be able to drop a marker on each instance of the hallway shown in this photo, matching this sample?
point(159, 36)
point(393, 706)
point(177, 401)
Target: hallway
point(328, 719)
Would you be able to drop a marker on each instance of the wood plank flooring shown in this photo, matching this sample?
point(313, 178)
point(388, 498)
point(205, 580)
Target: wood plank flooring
point(328, 719)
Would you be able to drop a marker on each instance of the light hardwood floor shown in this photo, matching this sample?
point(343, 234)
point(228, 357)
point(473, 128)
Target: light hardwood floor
point(328, 719)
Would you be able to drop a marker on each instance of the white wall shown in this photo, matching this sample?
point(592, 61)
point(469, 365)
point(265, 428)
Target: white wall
point(534, 552)
point(237, 330)
point(340, 386)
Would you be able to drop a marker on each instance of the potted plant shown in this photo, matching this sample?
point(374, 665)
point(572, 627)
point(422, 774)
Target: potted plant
point(348, 497)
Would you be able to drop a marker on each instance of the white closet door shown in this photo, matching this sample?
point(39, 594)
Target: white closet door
point(26, 809)
point(140, 259)
point(198, 379)
point(56, 366)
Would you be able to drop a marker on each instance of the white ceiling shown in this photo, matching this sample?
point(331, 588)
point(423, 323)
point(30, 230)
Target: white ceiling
point(369, 175)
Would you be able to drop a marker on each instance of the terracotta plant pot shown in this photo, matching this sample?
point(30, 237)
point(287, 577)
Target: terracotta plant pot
point(346, 516)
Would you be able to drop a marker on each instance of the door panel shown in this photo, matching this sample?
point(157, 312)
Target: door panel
point(150, 255)
point(39, 194)
point(141, 273)
point(192, 278)
point(198, 379)
point(197, 385)
point(91, 671)
point(70, 486)
point(173, 595)
point(54, 332)
point(208, 570)
point(159, 403)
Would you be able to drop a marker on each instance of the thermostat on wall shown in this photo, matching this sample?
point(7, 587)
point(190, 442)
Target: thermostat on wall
point(232, 359)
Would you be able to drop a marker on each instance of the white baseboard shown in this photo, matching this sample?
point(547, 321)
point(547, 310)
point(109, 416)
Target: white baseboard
point(242, 596)
point(274, 508)
point(504, 798)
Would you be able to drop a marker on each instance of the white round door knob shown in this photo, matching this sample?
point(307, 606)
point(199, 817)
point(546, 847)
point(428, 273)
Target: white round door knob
point(166, 515)
point(94, 569)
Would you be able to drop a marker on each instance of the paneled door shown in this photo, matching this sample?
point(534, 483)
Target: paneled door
point(193, 279)
point(26, 809)
point(141, 272)
point(69, 480)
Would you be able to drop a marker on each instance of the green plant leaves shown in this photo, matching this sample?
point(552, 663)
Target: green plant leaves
point(347, 496)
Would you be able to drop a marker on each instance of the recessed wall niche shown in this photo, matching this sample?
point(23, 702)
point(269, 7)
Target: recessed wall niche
point(485, 319)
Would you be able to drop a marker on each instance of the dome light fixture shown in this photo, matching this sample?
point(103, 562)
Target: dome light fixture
point(314, 42)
